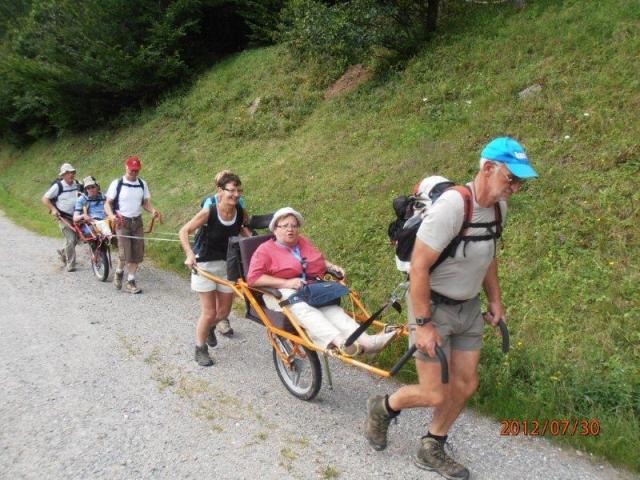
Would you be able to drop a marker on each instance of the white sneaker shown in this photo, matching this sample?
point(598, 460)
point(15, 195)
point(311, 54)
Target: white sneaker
point(377, 343)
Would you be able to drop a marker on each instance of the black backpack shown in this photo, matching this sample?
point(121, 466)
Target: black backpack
point(78, 186)
point(200, 238)
point(405, 230)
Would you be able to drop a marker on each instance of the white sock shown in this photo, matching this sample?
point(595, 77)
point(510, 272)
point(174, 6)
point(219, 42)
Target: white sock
point(130, 277)
point(119, 271)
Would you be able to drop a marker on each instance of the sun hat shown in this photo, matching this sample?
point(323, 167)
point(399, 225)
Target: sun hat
point(506, 150)
point(66, 167)
point(423, 189)
point(284, 212)
point(133, 163)
point(89, 181)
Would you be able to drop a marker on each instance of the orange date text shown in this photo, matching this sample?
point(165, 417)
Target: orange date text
point(554, 427)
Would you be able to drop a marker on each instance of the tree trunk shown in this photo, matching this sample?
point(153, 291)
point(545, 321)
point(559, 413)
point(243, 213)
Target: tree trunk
point(431, 20)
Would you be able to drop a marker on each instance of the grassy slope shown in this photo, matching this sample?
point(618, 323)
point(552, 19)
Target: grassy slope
point(570, 257)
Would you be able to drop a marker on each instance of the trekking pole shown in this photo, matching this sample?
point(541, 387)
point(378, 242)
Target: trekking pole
point(444, 365)
point(396, 295)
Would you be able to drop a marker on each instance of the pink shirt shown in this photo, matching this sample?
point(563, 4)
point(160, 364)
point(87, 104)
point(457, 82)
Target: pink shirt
point(274, 259)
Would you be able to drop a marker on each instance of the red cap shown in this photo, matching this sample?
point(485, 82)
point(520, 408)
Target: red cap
point(133, 163)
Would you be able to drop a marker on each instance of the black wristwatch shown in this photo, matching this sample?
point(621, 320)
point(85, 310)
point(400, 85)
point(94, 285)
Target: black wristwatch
point(422, 320)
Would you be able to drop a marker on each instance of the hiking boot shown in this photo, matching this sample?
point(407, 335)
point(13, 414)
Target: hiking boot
point(117, 280)
point(202, 356)
point(378, 420)
point(224, 327)
point(71, 267)
point(432, 457)
point(132, 287)
point(63, 256)
point(212, 341)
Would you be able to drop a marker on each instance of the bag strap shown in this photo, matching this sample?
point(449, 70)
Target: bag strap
point(450, 250)
point(298, 256)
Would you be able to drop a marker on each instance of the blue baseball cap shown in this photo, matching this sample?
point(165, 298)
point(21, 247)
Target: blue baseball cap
point(506, 150)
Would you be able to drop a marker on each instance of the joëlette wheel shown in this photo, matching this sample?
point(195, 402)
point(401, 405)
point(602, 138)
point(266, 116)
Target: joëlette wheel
point(303, 377)
point(100, 263)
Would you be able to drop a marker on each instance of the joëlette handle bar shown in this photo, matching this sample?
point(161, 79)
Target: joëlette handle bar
point(444, 365)
point(363, 326)
point(504, 331)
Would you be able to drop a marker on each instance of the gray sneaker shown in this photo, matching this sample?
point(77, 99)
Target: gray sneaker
point(432, 457)
point(117, 280)
point(71, 267)
point(378, 420)
point(224, 327)
point(132, 287)
point(202, 356)
point(212, 341)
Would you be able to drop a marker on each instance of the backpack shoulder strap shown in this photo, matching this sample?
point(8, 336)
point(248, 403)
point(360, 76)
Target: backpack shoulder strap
point(116, 205)
point(467, 198)
point(142, 185)
point(498, 220)
point(212, 197)
point(57, 182)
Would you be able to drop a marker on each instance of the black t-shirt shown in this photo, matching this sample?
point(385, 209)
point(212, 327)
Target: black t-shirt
point(217, 235)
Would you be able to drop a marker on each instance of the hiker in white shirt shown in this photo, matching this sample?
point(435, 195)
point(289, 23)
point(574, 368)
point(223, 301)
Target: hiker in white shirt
point(126, 198)
point(61, 199)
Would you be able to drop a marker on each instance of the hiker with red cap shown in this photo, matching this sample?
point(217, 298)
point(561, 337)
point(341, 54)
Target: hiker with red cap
point(126, 198)
point(453, 258)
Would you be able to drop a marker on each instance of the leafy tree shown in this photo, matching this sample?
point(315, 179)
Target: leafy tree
point(72, 64)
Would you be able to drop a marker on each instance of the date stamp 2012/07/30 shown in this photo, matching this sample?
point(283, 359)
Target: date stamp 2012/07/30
point(550, 426)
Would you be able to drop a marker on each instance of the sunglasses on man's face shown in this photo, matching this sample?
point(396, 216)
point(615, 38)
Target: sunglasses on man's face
point(511, 178)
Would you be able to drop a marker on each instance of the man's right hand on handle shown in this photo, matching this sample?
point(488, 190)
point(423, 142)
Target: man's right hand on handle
point(426, 339)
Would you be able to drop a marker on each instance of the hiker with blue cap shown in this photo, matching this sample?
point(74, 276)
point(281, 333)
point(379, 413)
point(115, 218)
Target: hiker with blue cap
point(454, 257)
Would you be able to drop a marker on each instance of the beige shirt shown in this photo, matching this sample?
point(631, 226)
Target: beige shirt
point(459, 277)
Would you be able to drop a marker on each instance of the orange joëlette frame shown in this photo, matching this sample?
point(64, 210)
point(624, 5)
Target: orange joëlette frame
point(358, 312)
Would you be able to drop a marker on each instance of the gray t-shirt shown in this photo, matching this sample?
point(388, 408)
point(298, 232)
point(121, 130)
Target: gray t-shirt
point(459, 277)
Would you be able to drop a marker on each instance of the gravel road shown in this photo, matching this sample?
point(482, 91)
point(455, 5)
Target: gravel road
point(101, 384)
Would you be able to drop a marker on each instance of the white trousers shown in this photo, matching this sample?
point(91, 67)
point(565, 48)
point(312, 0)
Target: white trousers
point(324, 324)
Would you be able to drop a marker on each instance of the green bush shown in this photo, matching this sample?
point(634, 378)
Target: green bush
point(375, 32)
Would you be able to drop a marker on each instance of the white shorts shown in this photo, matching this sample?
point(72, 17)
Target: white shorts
point(201, 284)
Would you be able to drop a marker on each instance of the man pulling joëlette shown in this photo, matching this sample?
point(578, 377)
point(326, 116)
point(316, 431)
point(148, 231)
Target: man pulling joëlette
point(444, 304)
point(60, 199)
point(128, 196)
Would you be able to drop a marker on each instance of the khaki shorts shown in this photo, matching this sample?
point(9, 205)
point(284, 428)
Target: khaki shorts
point(131, 250)
point(460, 326)
point(201, 284)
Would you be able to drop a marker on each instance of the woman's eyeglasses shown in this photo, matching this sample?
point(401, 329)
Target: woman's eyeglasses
point(287, 226)
point(233, 191)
